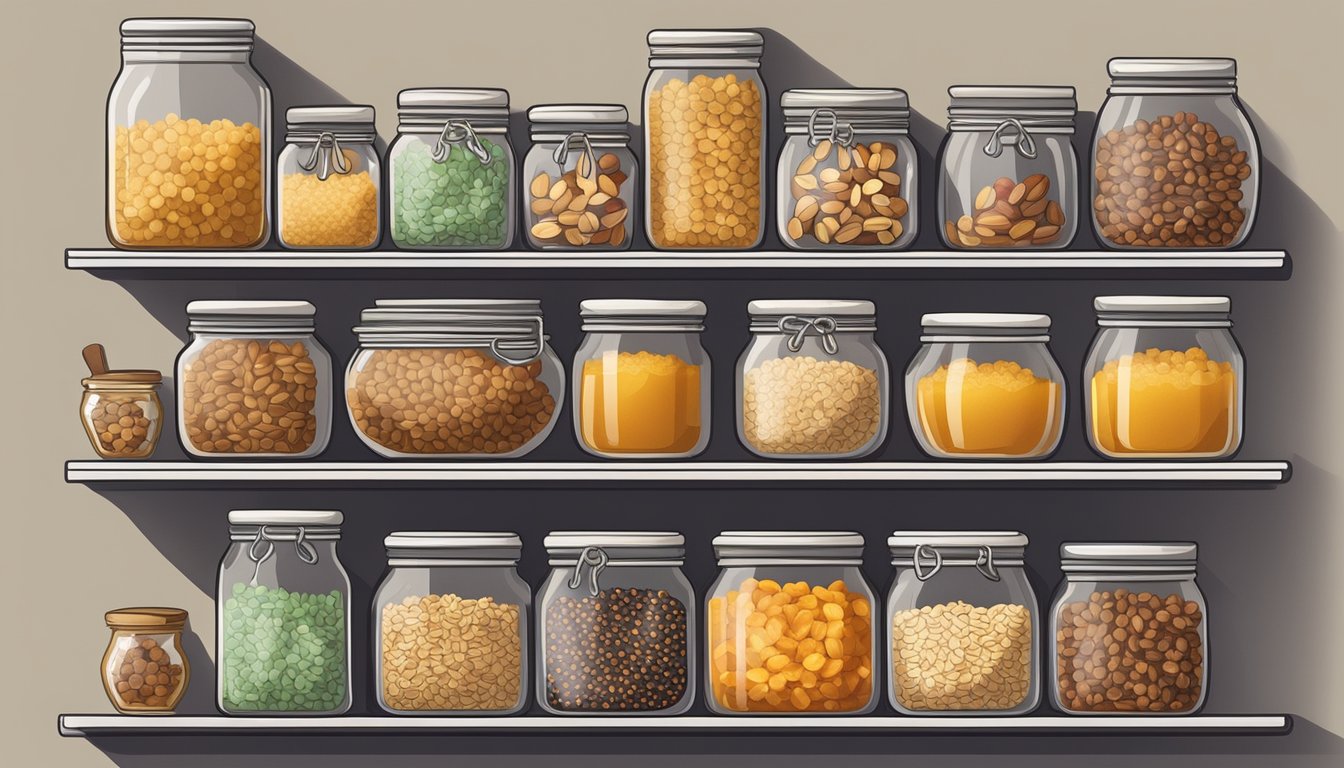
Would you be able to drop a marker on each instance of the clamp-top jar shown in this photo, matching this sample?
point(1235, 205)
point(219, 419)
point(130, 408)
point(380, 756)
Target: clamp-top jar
point(451, 170)
point(329, 179)
point(468, 377)
point(580, 177)
point(1009, 174)
point(847, 174)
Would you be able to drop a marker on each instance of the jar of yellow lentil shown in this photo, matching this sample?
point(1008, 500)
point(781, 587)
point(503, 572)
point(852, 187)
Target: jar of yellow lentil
point(188, 137)
point(329, 179)
point(791, 625)
point(704, 136)
point(1165, 378)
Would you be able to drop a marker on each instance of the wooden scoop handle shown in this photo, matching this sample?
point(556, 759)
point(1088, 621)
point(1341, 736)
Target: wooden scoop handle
point(96, 358)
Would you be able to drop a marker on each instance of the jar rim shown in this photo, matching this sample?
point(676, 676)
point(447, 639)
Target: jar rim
point(1163, 304)
point(985, 320)
point(130, 378)
point(477, 543)
point(836, 307)
point(286, 517)
point(1175, 67)
point(904, 541)
point(1172, 552)
point(201, 36)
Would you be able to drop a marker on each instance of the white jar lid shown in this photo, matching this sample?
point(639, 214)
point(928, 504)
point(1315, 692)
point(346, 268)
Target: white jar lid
point(577, 540)
point(845, 98)
point(1174, 68)
point(614, 115)
point(907, 540)
point(290, 517)
point(984, 320)
point(640, 308)
point(984, 107)
point(452, 98)
point(741, 547)
point(187, 27)
point(357, 114)
point(841, 307)
point(730, 39)
point(1179, 552)
point(453, 540)
point(252, 308)
point(1162, 304)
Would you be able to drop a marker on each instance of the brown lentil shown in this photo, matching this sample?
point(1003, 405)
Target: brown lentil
point(1009, 214)
point(250, 396)
point(122, 427)
point(847, 195)
point(956, 656)
point(145, 676)
point(805, 405)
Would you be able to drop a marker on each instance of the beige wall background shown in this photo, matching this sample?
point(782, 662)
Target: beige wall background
point(72, 554)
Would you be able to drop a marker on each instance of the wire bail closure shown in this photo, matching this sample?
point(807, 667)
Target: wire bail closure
point(326, 156)
point(1019, 138)
point(833, 130)
point(800, 327)
point(984, 562)
point(586, 166)
point(305, 551)
point(596, 559)
point(459, 132)
point(540, 344)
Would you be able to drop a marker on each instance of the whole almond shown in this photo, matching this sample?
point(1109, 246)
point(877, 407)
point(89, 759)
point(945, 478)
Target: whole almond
point(541, 185)
point(993, 221)
point(837, 187)
point(888, 157)
point(985, 199)
point(1054, 214)
point(828, 175)
point(876, 224)
point(1038, 184)
point(965, 223)
point(558, 190)
point(795, 229)
point(806, 207)
point(806, 166)
point(1022, 229)
point(614, 218)
point(1018, 192)
point(848, 232)
point(546, 229)
point(832, 207)
point(822, 149)
point(872, 186)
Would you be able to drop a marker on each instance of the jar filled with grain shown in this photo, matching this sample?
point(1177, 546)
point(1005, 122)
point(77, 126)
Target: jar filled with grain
point(963, 624)
point(329, 179)
point(145, 669)
point(615, 620)
point(641, 379)
point(791, 625)
point(1165, 378)
point(705, 140)
point(450, 625)
point(121, 410)
point(1175, 158)
point(188, 137)
point(254, 381)
point(985, 386)
point(283, 616)
point(1130, 630)
point(471, 378)
point(848, 176)
point(579, 178)
point(812, 383)
point(1009, 173)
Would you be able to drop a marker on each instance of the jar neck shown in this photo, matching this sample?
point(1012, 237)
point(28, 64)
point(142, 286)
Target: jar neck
point(238, 331)
point(429, 562)
point(978, 339)
point(802, 562)
point(640, 325)
point(596, 138)
point(221, 54)
point(690, 58)
point(1167, 86)
point(1088, 576)
point(1163, 320)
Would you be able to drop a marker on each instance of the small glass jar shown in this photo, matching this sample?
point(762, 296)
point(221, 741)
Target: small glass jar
point(848, 175)
point(145, 670)
point(791, 627)
point(963, 623)
point(705, 140)
point(451, 170)
point(254, 381)
point(450, 625)
point(1175, 158)
point(414, 386)
point(122, 414)
point(641, 379)
point(580, 178)
point(330, 178)
point(812, 383)
point(616, 618)
point(1165, 378)
point(188, 137)
point(1131, 631)
point(283, 621)
point(1009, 174)
point(985, 386)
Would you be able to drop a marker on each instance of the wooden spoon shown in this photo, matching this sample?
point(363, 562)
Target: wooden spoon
point(96, 358)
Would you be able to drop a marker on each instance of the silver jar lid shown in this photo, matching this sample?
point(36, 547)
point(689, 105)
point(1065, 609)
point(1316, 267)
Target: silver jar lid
point(906, 541)
point(1194, 75)
point(704, 47)
point(568, 547)
point(187, 35)
point(250, 316)
point(928, 552)
point(480, 107)
point(599, 123)
point(1164, 311)
point(845, 110)
point(461, 547)
point(1043, 108)
point(321, 130)
point(836, 307)
point(642, 315)
point(984, 326)
point(511, 328)
point(799, 318)
point(1128, 557)
point(802, 547)
point(285, 524)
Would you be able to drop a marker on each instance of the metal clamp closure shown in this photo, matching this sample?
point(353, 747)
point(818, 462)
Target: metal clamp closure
point(797, 327)
point(984, 562)
point(459, 132)
point(825, 124)
point(306, 552)
point(537, 343)
point(1012, 133)
point(596, 559)
point(586, 166)
point(326, 156)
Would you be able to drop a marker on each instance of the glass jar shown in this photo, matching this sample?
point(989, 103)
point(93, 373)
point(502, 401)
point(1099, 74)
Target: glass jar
point(803, 349)
point(580, 176)
point(1131, 631)
point(188, 137)
point(848, 178)
point(253, 381)
point(790, 625)
point(985, 386)
point(705, 140)
point(450, 625)
point(1165, 378)
point(145, 670)
point(414, 386)
point(963, 623)
point(1175, 159)
point(329, 179)
point(451, 170)
point(616, 621)
point(641, 379)
point(283, 643)
point(1009, 171)
point(122, 414)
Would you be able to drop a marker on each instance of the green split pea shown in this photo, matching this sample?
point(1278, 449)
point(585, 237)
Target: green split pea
point(456, 203)
point(283, 651)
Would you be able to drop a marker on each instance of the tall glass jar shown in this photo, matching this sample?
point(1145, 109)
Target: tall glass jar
point(253, 381)
point(1009, 174)
point(1165, 378)
point(1175, 158)
point(283, 623)
point(580, 178)
point(471, 378)
point(145, 668)
point(451, 170)
point(1131, 631)
point(964, 625)
point(616, 618)
point(330, 178)
point(985, 386)
point(812, 383)
point(450, 625)
point(704, 140)
point(641, 379)
point(848, 177)
point(188, 137)
point(790, 625)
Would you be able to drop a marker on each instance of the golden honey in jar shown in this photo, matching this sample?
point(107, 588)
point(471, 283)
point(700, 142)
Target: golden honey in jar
point(145, 670)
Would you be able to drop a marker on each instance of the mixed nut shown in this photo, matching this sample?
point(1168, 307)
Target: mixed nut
point(1009, 214)
point(584, 206)
point(847, 195)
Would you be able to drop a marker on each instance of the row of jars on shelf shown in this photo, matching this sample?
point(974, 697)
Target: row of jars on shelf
point(1175, 161)
point(478, 378)
point(792, 626)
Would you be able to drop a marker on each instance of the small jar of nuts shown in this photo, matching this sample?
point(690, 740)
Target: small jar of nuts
point(963, 623)
point(121, 411)
point(1009, 175)
point(1130, 629)
point(330, 179)
point(145, 669)
point(580, 177)
point(847, 173)
point(254, 381)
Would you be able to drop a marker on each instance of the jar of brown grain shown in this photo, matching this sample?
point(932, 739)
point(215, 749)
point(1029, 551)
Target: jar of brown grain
point(145, 670)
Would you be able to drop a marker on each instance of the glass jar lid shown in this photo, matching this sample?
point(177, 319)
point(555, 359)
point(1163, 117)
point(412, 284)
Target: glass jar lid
point(250, 316)
point(146, 619)
point(600, 123)
point(511, 328)
point(1163, 311)
point(284, 524)
point(788, 547)
point(187, 35)
point(463, 110)
point(453, 547)
point(1011, 114)
point(1172, 75)
point(1178, 557)
point(839, 113)
point(928, 552)
point(704, 47)
point(642, 315)
point(984, 326)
